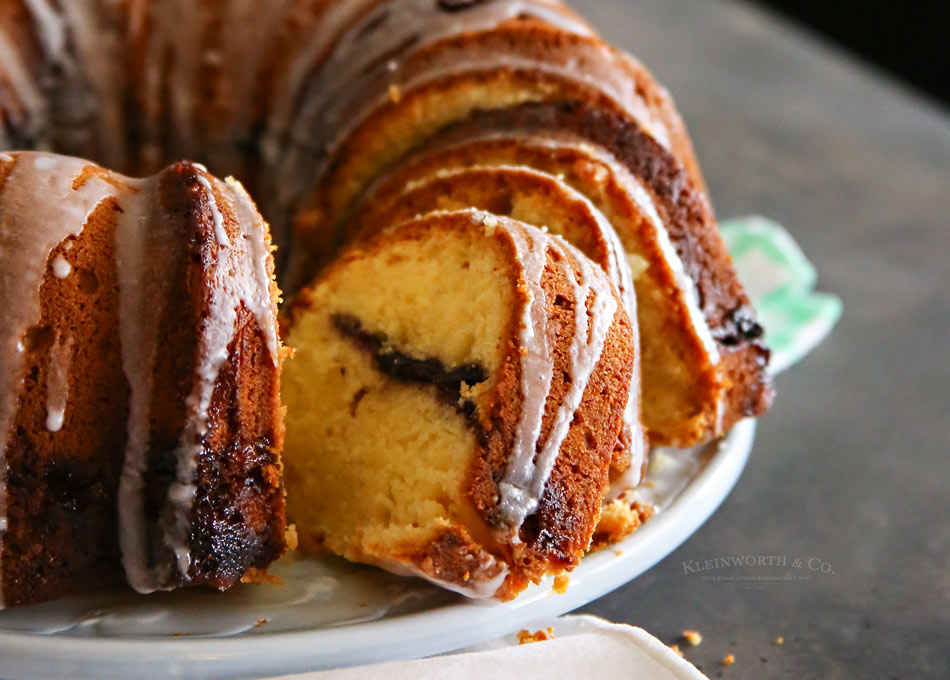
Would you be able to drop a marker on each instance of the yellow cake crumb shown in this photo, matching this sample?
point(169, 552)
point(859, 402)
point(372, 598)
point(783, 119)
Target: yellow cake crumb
point(258, 576)
point(395, 94)
point(676, 650)
point(561, 582)
point(290, 537)
point(728, 660)
point(526, 637)
point(618, 520)
point(780, 640)
point(693, 637)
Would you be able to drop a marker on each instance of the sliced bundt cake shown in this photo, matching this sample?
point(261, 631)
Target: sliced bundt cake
point(344, 117)
point(458, 386)
point(139, 360)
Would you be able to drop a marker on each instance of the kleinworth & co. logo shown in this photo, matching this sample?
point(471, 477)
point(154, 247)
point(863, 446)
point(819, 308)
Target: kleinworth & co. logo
point(757, 571)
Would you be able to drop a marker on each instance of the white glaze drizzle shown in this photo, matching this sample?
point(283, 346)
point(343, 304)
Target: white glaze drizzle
point(537, 368)
point(257, 296)
point(686, 287)
point(57, 381)
point(219, 231)
point(476, 590)
point(44, 163)
point(144, 255)
point(41, 208)
point(61, 267)
point(529, 468)
point(645, 205)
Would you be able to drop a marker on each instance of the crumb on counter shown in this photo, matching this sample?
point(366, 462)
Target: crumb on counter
point(728, 660)
point(693, 637)
point(676, 650)
point(780, 640)
point(561, 581)
point(526, 637)
point(261, 622)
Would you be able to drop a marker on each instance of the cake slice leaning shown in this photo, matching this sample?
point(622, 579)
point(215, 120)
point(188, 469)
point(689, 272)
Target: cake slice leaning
point(140, 421)
point(458, 386)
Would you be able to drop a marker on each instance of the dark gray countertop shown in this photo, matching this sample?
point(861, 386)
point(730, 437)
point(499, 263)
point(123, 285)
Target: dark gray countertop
point(852, 465)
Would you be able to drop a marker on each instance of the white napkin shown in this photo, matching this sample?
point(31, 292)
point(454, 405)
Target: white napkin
point(592, 648)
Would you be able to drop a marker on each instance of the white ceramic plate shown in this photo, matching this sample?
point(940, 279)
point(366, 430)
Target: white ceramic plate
point(330, 613)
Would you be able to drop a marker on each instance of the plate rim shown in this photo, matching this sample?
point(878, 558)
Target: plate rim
point(436, 631)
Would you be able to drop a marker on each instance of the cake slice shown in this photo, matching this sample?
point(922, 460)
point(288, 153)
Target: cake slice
point(140, 421)
point(538, 199)
point(458, 386)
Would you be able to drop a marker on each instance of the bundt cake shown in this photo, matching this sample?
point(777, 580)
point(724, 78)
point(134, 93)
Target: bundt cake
point(308, 102)
point(139, 360)
point(344, 118)
point(458, 387)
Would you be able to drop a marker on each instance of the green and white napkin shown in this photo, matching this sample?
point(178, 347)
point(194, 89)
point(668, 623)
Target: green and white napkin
point(780, 281)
